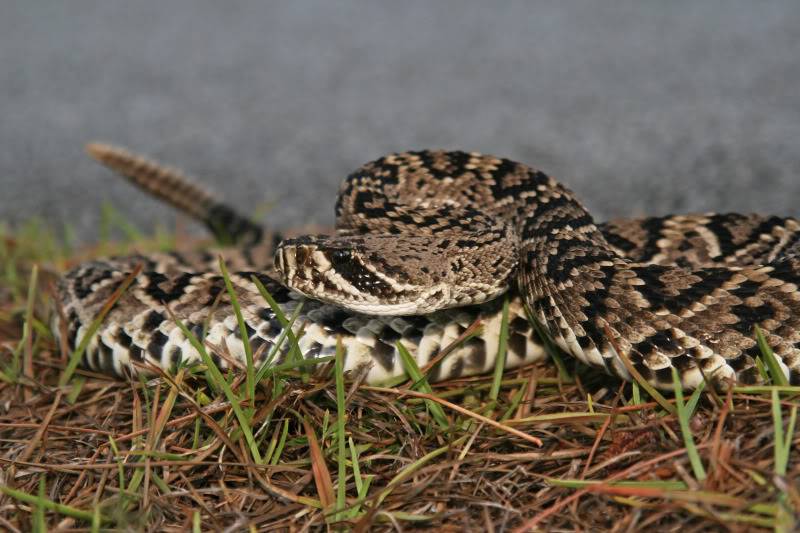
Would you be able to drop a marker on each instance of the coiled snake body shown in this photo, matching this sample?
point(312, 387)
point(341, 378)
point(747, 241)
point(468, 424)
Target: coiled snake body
point(426, 244)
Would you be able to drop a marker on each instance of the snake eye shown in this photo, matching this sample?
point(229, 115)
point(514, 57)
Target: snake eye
point(340, 256)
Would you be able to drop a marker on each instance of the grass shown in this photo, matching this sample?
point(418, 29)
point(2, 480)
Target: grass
point(684, 413)
point(296, 446)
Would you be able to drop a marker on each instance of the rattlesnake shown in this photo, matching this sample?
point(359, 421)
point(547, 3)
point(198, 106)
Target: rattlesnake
point(427, 243)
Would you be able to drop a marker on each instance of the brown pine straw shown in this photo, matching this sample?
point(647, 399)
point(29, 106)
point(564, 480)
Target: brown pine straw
point(458, 409)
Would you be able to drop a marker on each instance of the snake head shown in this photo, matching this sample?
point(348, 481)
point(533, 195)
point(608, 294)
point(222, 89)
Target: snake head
point(367, 274)
point(386, 275)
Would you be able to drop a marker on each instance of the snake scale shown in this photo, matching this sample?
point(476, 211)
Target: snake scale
point(426, 244)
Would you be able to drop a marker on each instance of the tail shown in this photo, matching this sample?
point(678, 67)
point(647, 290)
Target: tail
point(178, 190)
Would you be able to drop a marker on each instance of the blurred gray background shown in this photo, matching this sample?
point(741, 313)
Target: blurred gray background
point(640, 107)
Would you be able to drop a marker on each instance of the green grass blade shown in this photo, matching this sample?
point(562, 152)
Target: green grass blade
point(196, 523)
point(502, 349)
point(515, 401)
point(340, 430)
point(75, 390)
point(294, 347)
point(292, 365)
point(220, 382)
point(650, 484)
point(27, 329)
point(761, 389)
point(778, 377)
point(45, 503)
point(421, 384)
point(39, 523)
point(781, 454)
point(281, 443)
point(354, 458)
point(782, 445)
point(410, 469)
point(691, 405)
point(160, 483)
point(273, 443)
point(286, 335)
point(762, 369)
point(248, 349)
point(683, 419)
point(637, 395)
point(120, 466)
point(96, 520)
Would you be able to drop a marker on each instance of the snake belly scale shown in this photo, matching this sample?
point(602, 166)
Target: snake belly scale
point(427, 243)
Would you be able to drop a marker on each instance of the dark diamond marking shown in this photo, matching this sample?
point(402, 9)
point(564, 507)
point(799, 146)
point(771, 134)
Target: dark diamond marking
point(477, 352)
point(156, 345)
point(124, 339)
point(136, 353)
point(152, 321)
point(384, 355)
point(517, 344)
point(175, 356)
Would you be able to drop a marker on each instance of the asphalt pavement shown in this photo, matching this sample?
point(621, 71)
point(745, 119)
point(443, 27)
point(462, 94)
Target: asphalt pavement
point(640, 107)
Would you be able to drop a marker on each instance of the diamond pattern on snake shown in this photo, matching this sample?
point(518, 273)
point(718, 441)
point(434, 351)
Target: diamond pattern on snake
point(429, 242)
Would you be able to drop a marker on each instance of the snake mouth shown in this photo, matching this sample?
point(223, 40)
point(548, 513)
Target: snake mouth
point(301, 264)
point(340, 273)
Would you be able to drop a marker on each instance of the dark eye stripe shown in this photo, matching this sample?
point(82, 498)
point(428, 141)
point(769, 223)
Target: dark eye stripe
point(362, 279)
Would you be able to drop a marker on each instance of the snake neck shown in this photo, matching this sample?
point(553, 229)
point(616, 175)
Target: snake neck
point(563, 254)
point(552, 224)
